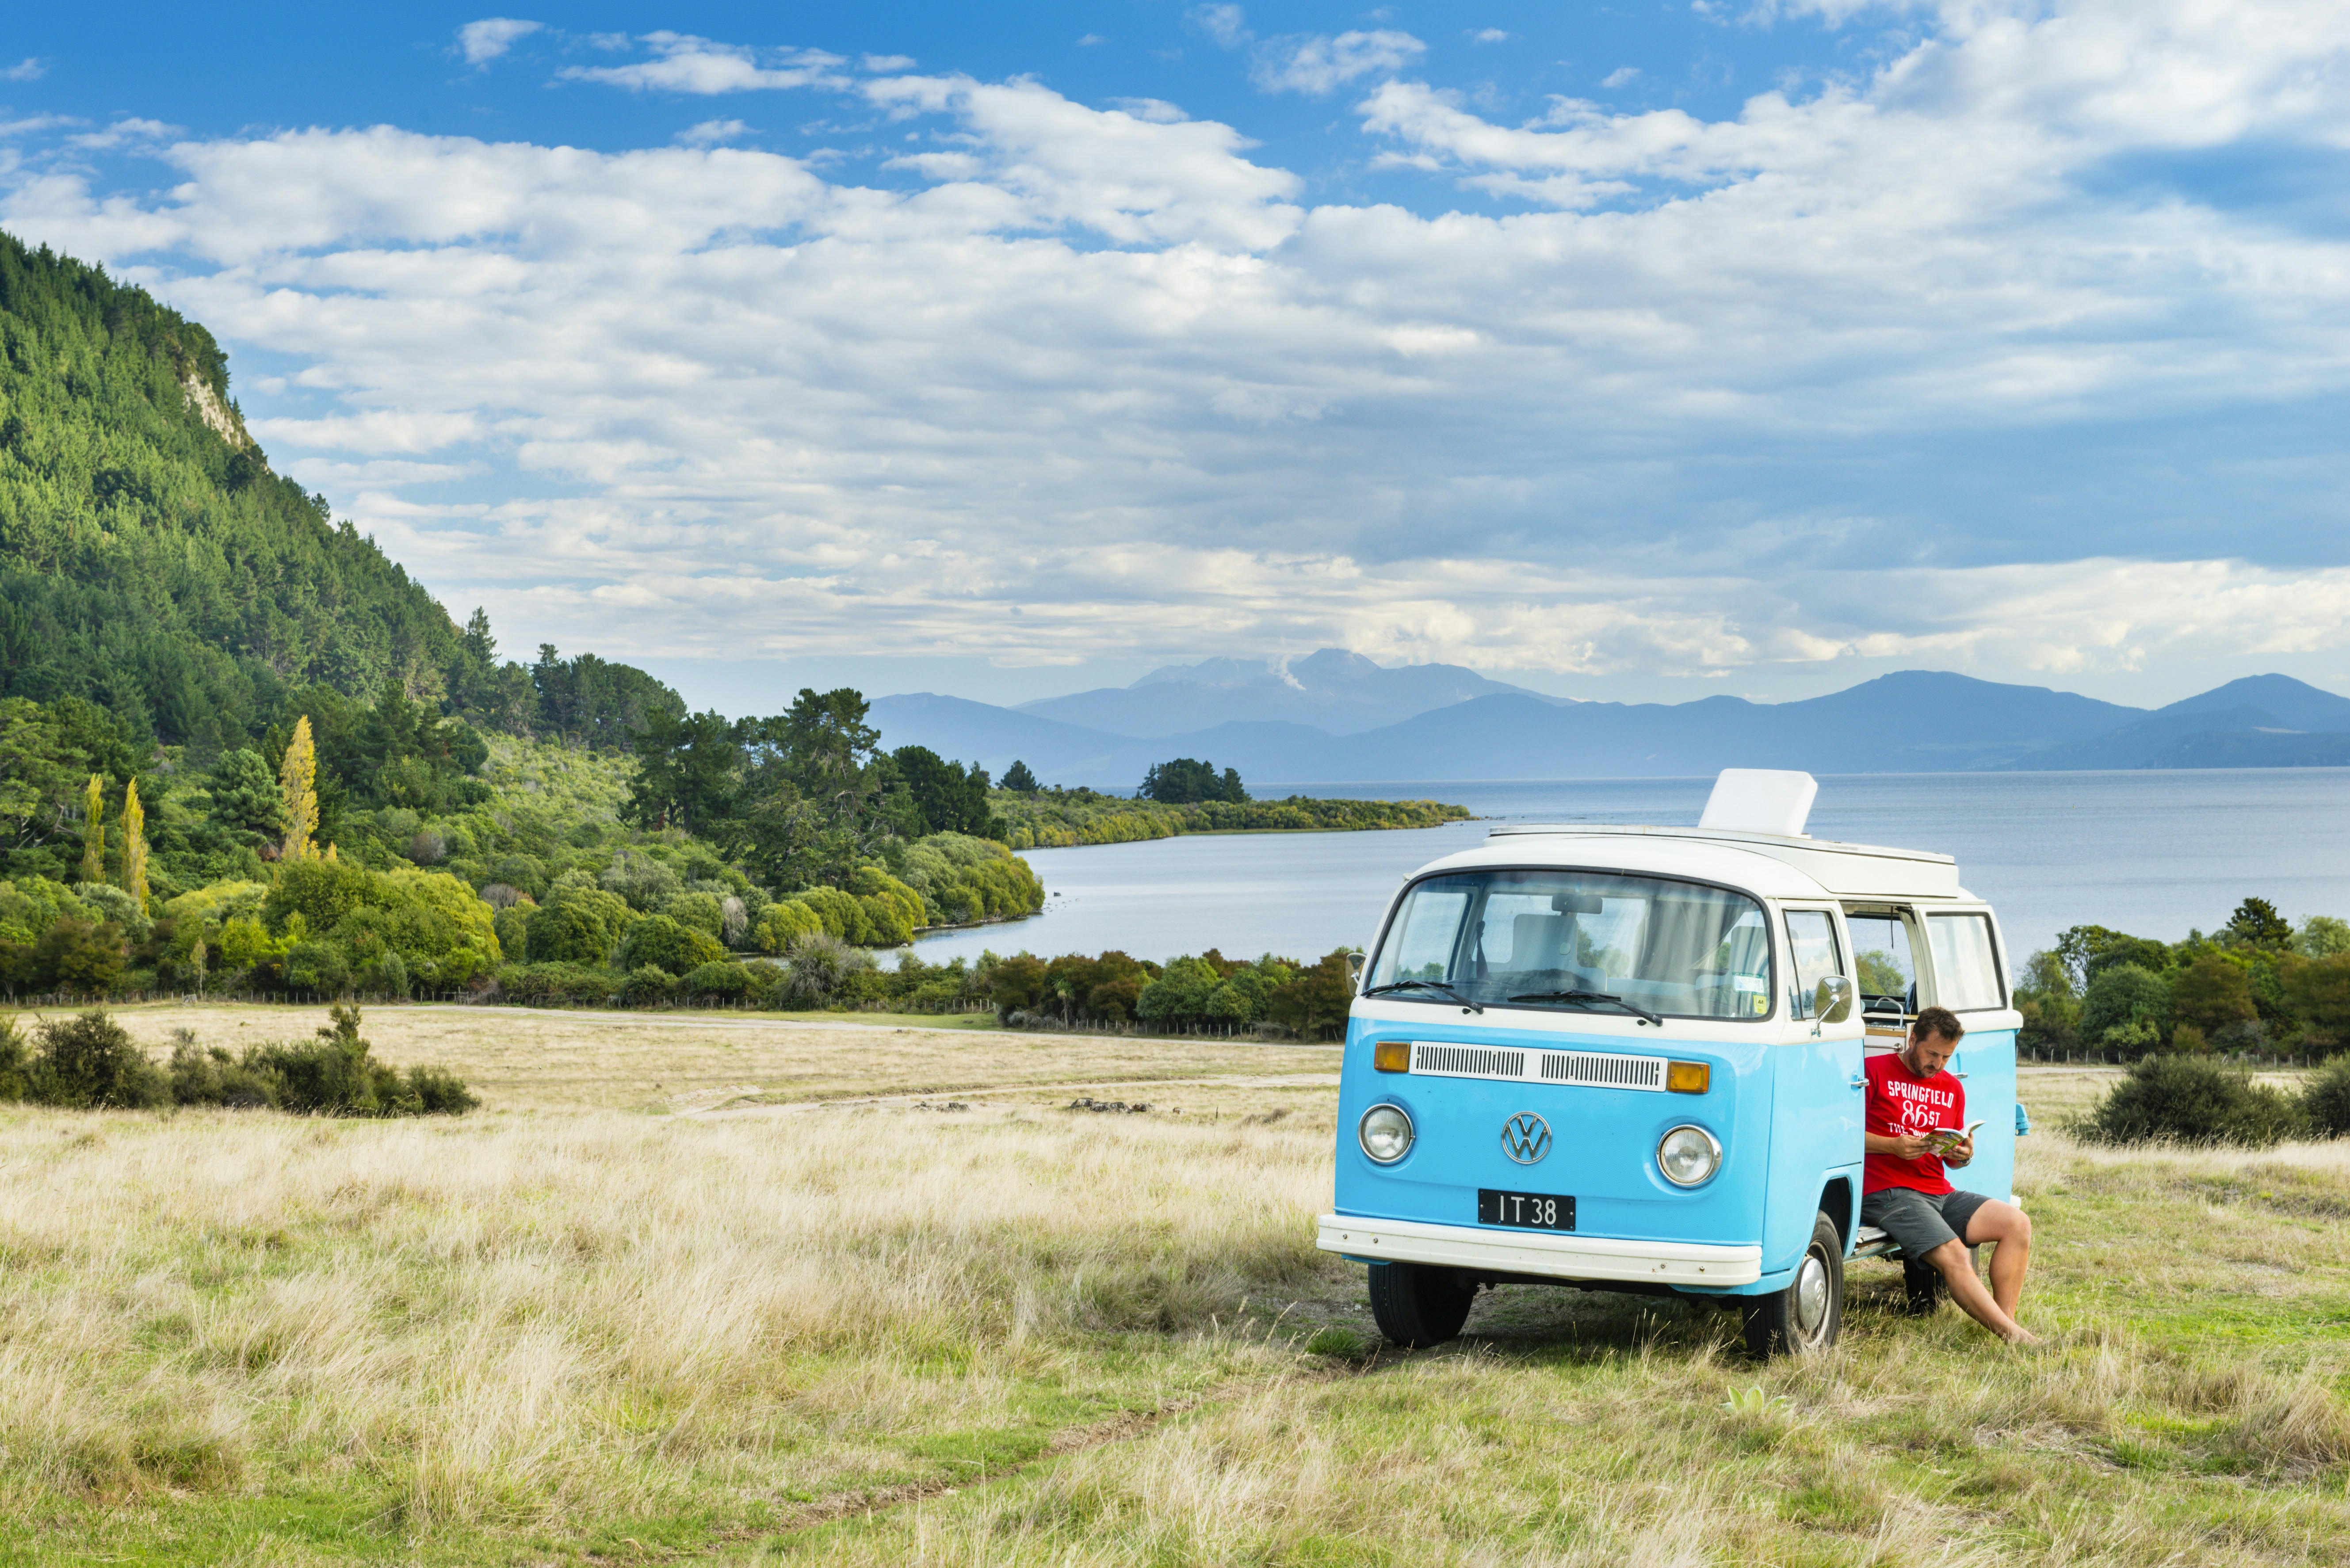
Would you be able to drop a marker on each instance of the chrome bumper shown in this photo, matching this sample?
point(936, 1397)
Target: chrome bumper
point(1562, 1257)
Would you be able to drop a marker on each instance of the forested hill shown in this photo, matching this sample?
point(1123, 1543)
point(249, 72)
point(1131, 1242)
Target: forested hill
point(150, 561)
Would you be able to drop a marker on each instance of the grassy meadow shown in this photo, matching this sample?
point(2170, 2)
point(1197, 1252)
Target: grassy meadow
point(742, 1290)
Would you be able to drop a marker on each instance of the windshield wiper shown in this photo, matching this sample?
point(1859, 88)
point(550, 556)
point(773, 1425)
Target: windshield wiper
point(1586, 996)
point(1426, 985)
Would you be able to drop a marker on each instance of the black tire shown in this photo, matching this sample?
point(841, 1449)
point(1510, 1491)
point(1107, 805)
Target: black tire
point(1418, 1304)
point(1808, 1314)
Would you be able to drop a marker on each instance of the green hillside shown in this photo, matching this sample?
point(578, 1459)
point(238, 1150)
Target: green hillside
point(150, 561)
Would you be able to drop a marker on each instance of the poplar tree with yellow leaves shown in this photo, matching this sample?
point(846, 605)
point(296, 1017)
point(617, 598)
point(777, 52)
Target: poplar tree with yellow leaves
point(134, 846)
point(297, 780)
point(93, 831)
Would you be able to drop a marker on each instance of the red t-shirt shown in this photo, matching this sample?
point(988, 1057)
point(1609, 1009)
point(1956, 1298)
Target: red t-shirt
point(1901, 1101)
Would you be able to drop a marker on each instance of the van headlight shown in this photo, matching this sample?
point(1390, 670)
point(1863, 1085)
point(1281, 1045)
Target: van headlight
point(1385, 1133)
point(1689, 1156)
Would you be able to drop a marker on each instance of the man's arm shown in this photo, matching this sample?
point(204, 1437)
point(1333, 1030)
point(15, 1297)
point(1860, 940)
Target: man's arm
point(1904, 1146)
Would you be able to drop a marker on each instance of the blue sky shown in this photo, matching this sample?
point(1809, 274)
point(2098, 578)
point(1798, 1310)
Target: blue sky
point(1625, 351)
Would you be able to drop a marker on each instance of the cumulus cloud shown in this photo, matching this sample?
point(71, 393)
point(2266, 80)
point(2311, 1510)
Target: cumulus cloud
point(684, 63)
point(1319, 67)
point(1904, 369)
point(1621, 76)
point(1227, 24)
point(711, 134)
point(28, 69)
point(485, 40)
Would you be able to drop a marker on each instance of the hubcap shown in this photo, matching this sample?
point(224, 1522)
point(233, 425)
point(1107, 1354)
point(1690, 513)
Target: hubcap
point(1810, 1295)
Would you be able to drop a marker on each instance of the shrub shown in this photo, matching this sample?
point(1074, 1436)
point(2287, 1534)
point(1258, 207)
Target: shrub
point(215, 1077)
point(2317, 990)
point(2326, 1099)
point(723, 981)
point(90, 1061)
point(78, 956)
point(2211, 994)
point(317, 967)
point(645, 986)
point(2119, 996)
point(640, 879)
point(661, 941)
point(779, 923)
point(335, 1076)
point(15, 1063)
point(578, 925)
point(2193, 1099)
point(822, 967)
point(557, 985)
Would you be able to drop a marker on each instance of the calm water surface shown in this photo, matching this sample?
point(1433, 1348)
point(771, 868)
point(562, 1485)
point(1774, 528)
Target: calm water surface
point(2148, 852)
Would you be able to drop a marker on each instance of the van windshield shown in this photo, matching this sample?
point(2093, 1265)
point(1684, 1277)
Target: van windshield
point(1671, 948)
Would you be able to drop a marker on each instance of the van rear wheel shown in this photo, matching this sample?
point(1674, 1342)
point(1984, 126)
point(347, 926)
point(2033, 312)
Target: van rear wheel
point(1418, 1304)
point(1809, 1314)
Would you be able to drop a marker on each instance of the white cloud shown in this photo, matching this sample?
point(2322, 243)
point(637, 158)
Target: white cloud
point(684, 63)
point(883, 63)
point(1491, 35)
point(28, 69)
point(1836, 378)
point(483, 41)
point(1321, 66)
point(124, 133)
point(1227, 24)
point(1620, 75)
point(711, 134)
point(1091, 40)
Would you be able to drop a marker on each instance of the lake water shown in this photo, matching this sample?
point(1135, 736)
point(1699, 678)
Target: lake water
point(2148, 852)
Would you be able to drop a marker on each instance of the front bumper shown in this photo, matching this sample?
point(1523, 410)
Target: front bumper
point(1554, 1256)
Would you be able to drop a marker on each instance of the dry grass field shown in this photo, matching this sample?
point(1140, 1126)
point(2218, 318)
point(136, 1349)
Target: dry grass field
point(731, 1289)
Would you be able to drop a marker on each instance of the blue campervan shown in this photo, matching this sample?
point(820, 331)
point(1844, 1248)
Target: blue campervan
point(1629, 1059)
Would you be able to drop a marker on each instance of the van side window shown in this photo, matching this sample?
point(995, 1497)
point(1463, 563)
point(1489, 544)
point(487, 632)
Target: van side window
point(1812, 943)
point(1966, 968)
point(1887, 969)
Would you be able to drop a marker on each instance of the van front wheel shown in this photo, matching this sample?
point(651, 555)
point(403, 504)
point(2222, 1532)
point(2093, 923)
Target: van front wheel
point(1809, 1314)
point(1418, 1304)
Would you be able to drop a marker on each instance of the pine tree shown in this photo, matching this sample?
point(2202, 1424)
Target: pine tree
point(299, 782)
point(134, 846)
point(93, 831)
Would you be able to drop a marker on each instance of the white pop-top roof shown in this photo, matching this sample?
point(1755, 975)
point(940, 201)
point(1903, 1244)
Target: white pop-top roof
point(1777, 864)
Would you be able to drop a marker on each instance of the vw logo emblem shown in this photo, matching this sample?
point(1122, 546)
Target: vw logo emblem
point(1525, 1137)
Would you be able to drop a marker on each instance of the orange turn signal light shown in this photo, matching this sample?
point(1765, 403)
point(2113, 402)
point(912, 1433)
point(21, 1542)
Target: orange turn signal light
point(1392, 1056)
point(1688, 1077)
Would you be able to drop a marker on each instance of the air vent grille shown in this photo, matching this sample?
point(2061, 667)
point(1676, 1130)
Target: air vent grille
point(1581, 1069)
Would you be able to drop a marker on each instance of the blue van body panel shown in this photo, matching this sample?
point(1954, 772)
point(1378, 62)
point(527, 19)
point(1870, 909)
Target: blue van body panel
point(1816, 1126)
point(1988, 1062)
point(1604, 1140)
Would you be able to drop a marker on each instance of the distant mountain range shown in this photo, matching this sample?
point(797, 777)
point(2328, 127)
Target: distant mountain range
point(1336, 716)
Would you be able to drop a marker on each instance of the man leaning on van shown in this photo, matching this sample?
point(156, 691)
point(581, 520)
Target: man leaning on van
point(1906, 1193)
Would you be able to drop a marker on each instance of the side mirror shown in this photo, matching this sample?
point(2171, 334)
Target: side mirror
point(1354, 971)
point(1831, 1003)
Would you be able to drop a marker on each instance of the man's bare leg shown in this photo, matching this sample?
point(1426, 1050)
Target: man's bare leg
point(2011, 1228)
point(1958, 1273)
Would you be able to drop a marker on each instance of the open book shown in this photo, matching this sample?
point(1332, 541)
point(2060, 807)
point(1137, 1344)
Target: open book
point(1943, 1141)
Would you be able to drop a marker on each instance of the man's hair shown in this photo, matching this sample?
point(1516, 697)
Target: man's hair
point(1940, 1021)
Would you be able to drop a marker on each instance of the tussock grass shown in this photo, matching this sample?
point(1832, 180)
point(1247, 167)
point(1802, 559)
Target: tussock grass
point(547, 1335)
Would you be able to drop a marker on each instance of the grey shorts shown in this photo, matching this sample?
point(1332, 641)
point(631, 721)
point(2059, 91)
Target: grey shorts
point(1920, 1221)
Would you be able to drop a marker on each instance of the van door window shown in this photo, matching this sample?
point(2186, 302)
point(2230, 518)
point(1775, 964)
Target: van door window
point(1966, 967)
point(1812, 943)
point(1888, 972)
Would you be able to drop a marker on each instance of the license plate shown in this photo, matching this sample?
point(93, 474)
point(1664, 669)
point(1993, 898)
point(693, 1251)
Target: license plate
point(1526, 1211)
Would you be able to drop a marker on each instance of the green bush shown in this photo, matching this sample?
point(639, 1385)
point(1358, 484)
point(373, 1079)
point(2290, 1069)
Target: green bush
point(215, 1077)
point(662, 942)
point(778, 924)
point(2120, 996)
point(2194, 1099)
point(318, 968)
point(645, 986)
point(334, 1075)
point(2326, 1099)
point(90, 1063)
point(722, 982)
point(557, 985)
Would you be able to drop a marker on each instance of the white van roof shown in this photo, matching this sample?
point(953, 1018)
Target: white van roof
point(1823, 866)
